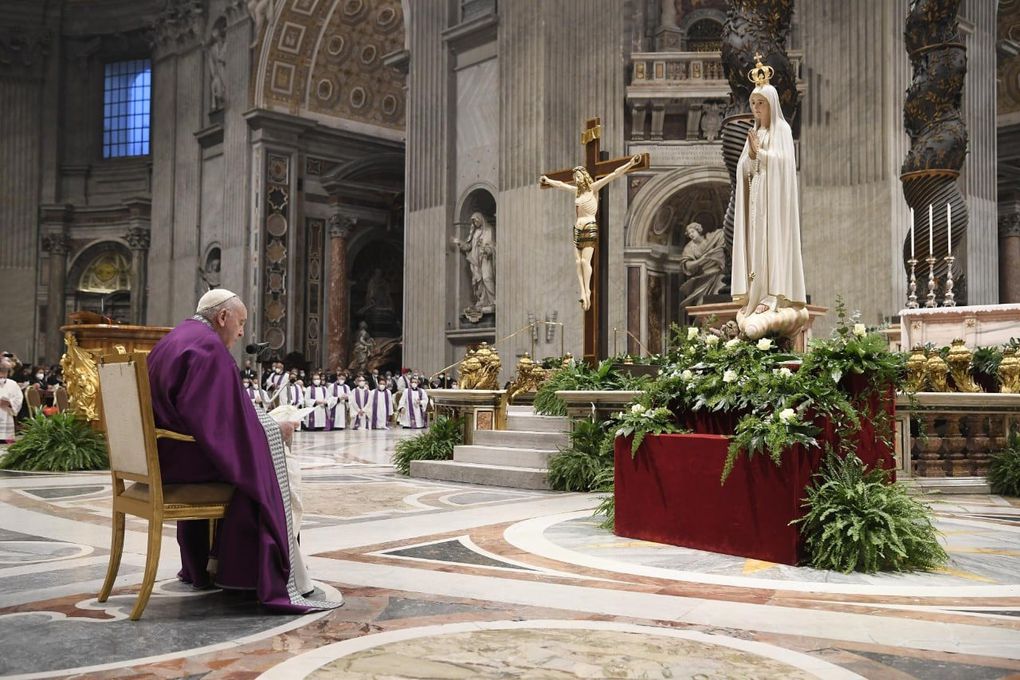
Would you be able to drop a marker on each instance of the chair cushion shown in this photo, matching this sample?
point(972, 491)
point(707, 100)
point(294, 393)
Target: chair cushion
point(209, 493)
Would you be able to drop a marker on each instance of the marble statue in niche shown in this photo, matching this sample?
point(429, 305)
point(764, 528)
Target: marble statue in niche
point(480, 252)
point(364, 344)
point(216, 55)
point(261, 13)
point(703, 263)
point(377, 294)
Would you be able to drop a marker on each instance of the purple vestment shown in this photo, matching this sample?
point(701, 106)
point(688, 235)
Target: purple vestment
point(196, 390)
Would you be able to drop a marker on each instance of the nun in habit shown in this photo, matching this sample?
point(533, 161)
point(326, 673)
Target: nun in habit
point(768, 272)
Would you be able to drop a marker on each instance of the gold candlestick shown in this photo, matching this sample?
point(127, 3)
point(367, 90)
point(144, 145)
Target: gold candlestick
point(931, 281)
point(912, 298)
point(950, 298)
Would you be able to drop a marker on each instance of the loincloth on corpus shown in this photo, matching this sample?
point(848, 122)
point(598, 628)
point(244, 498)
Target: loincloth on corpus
point(586, 236)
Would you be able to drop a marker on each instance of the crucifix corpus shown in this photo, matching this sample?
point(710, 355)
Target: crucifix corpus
point(591, 254)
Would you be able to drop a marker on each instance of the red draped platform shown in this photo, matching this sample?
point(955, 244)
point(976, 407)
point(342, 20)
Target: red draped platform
point(670, 492)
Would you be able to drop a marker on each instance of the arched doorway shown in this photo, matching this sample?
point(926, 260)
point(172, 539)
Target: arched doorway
point(675, 253)
point(100, 281)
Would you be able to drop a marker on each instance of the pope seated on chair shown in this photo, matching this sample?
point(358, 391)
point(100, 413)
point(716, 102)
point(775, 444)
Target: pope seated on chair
point(196, 390)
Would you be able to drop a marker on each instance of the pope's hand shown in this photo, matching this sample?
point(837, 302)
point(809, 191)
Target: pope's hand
point(287, 430)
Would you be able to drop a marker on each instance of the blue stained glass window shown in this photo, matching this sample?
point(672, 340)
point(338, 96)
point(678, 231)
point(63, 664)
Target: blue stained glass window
point(127, 92)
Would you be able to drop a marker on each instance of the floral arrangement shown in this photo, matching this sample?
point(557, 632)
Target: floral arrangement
point(640, 421)
point(776, 397)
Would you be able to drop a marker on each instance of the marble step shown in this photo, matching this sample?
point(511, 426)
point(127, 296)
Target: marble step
point(498, 455)
point(477, 473)
point(530, 422)
point(519, 439)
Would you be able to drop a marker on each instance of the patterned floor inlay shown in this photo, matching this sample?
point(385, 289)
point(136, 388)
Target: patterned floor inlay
point(447, 580)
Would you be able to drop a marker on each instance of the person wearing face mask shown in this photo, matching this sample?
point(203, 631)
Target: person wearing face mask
point(317, 396)
point(381, 400)
point(358, 404)
point(255, 393)
point(413, 405)
point(339, 392)
point(10, 401)
point(275, 380)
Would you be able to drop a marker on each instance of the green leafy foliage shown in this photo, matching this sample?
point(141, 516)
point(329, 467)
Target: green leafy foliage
point(58, 443)
point(579, 376)
point(1004, 468)
point(857, 521)
point(577, 467)
point(604, 482)
point(434, 444)
point(639, 421)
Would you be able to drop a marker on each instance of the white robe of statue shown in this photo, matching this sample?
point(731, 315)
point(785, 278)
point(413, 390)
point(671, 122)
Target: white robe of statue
point(317, 396)
point(413, 405)
point(381, 408)
point(10, 391)
point(767, 264)
point(358, 407)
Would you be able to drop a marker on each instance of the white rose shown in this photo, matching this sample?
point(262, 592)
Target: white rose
point(729, 376)
point(730, 344)
point(784, 372)
point(711, 340)
point(687, 375)
point(692, 332)
point(860, 330)
point(765, 343)
point(637, 408)
point(787, 414)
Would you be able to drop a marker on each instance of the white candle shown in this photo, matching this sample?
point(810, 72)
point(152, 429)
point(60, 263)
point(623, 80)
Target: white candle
point(949, 227)
point(931, 227)
point(911, 233)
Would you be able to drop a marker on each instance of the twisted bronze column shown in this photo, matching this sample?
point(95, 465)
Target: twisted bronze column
point(753, 27)
point(934, 121)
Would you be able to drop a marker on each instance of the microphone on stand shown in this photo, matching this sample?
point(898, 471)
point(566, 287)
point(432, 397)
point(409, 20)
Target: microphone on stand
point(256, 347)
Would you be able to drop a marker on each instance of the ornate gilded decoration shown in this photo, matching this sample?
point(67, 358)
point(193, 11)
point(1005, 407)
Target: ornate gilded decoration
point(959, 360)
point(81, 377)
point(109, 272)
point(917, 370)
point(529, 378)
point(761, 74)
point(933, 118)
point(937, 371)
point(327, 58)
point(1009, 372)
point(479, 369)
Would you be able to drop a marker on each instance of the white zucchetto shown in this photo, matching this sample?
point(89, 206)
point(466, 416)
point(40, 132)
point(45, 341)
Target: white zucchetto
point(215, 297)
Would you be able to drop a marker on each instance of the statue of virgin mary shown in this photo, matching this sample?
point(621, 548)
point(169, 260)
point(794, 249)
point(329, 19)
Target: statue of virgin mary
point(768, 272)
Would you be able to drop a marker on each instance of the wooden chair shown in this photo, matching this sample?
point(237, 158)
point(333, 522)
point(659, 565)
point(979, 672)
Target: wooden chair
point(131, 439)
point(34, 400)
point(60, 399)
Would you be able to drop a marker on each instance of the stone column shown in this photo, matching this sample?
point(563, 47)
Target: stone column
point(1009, 257)
point(57, 245)
point(339, 301)
point(138, 239)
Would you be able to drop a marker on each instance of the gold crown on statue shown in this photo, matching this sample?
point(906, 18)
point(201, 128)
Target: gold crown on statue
point(761, 74)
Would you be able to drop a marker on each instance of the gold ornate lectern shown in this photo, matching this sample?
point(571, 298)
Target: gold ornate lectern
point(87, 342)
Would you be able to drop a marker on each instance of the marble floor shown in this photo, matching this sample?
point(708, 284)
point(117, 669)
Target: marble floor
point(456, 581)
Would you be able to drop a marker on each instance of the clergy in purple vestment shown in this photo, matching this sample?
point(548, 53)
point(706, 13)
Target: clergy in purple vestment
point(413, 405)
point(316, 395)
point(381, 401)
point(359, 404)
point(196, 390)
point(339, 392)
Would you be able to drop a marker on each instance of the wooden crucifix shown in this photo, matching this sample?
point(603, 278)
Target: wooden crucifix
point(590, 230)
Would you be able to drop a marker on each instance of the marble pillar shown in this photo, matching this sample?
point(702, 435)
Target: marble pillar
point(1009, 258)
point(339, 301)
point(57, 245)
point(138, 240)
